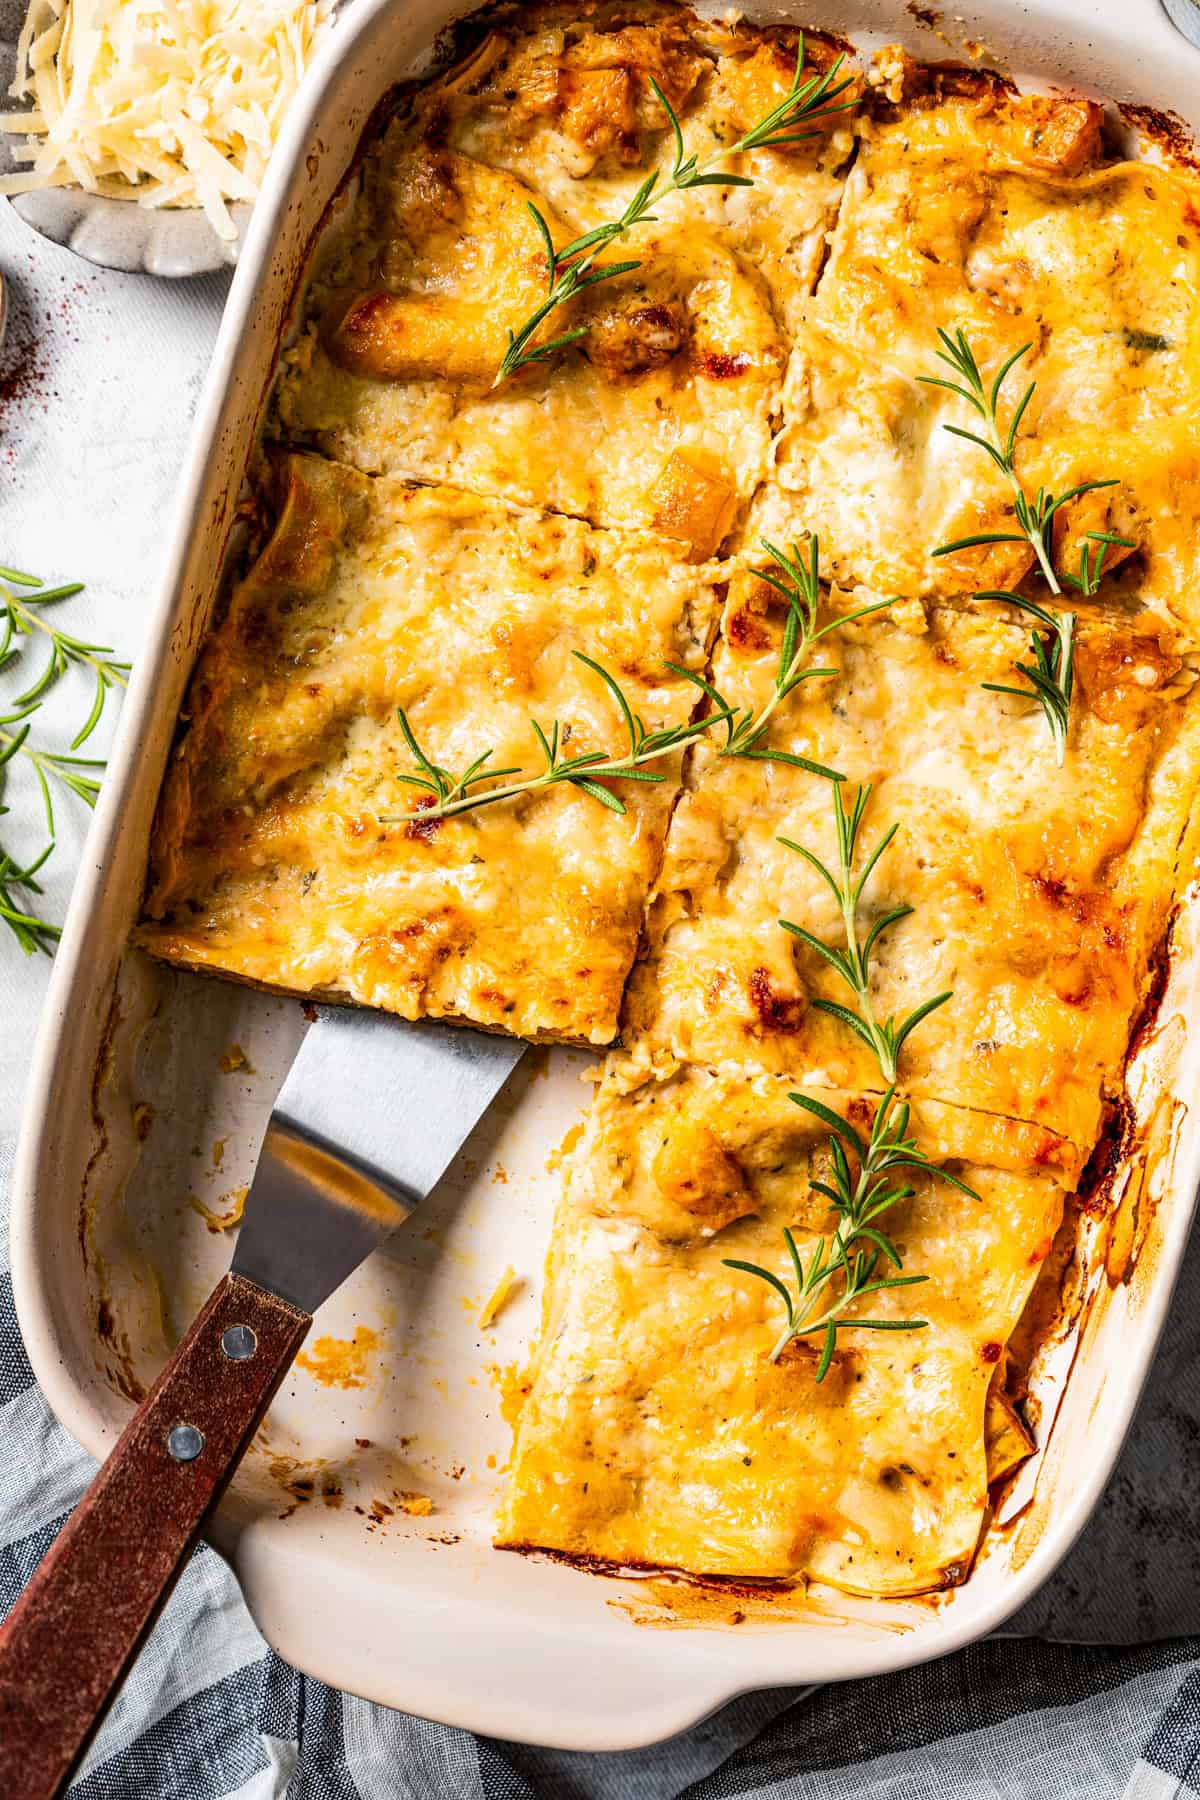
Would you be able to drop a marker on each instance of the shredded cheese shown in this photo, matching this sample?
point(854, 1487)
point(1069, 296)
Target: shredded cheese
point(167, 102)
point(499, 1298)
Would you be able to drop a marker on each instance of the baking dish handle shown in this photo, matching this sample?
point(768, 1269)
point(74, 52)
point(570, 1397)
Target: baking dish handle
point(69, 1641)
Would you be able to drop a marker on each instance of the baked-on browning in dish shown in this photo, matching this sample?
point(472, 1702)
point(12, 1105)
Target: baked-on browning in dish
point(753, 1361)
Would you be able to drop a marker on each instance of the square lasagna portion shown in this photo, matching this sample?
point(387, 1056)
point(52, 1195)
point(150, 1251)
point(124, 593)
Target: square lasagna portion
point(661, 415)
point(1039, 895)
point(278, 855)
point(971, 209)
point(656, 1428)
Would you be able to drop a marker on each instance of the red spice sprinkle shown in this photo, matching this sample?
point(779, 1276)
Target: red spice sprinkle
point(423, 829)
point(719, 366)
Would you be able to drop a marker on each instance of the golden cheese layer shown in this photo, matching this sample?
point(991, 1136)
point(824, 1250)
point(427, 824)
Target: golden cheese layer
point(662, 419)
point(756, 375)
point(656, 1429)
point(979, 212)
point(1038, 895)
point(273, 856)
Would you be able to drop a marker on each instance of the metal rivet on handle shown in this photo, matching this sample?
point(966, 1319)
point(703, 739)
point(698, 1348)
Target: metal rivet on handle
point(238, 1342)
point(185, 1443)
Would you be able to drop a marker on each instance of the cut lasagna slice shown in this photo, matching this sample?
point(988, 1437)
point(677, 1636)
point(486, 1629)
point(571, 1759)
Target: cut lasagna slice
point(657, 1431)
point(1039, 894)
point(972, 208)
point(281, 853)
point(660, 414)
point(569, 108)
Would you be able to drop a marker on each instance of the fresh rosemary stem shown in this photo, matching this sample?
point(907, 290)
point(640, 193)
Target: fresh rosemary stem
point(861, 1190)
point(744, 729)
point(1051, 672)
point(49, 765)
point(1034, 513)
point(20, 617)
point(799, 584)
point(450, 794)
point(885, 1038)
point(573, 268)
point(32, 932)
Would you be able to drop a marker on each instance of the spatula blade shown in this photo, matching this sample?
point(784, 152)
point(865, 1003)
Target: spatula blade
point(371, 1115)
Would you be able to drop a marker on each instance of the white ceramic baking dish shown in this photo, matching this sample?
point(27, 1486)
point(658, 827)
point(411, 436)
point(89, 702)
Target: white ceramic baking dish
point(143, 1118)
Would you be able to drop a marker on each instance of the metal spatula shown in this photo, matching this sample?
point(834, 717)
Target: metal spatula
point(370, 1117)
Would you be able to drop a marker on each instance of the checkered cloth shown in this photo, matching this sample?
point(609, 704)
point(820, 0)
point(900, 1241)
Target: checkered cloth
point(1096, 1690)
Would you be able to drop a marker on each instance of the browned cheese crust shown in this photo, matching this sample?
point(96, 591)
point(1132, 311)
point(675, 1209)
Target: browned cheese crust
point(436, 540)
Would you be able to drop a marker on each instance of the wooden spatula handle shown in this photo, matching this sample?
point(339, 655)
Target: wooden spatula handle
point(68, 1643)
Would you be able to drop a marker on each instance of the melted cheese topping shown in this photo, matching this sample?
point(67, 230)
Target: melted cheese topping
point(1037, 898)
point(594, 443)
point(736, 384)
point(665, 420)
point(953, 218)
point(273, 858)
point(658, 1431)
point(569, 109)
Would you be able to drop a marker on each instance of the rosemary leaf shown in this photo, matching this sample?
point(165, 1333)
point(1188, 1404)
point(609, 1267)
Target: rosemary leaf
point(23, 600)
point(852, 963)
point(1050, 674)
point(1034, 513)
point(799, 583)
point(32, 932)
point(482, 785)
point(847, 1266)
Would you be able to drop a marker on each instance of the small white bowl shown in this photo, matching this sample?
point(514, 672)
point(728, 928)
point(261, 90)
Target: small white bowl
point(119, 234)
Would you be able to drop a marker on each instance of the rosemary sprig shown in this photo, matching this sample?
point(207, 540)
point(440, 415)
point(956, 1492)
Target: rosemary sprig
point(19, 617)
point(573, 268)
point(1034, 513)
point(885, 1037)
point(20, 620)
point(799, 584)
point(1091, 562)
point(48, 765)
point(32, 932)
point(861, 1192)
point(588, 770)
point(1051, 674)
point(744, 728)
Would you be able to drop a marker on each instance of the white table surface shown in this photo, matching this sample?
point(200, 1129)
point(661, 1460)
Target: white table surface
point(91, 442)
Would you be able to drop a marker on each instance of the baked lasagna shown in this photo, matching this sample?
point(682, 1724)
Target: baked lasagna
point(721, 589)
